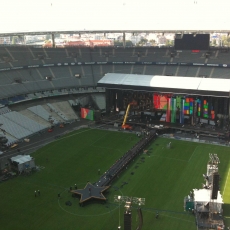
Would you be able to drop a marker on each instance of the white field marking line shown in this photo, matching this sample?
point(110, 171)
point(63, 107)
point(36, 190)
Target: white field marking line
point(178, 218)
point(160, 147)
point(45, 185)
point(101, 147)
point(35, 147)
point(76, 214)
point(226, 180)
point(52, 140)
point(101, 214)
point(97, 140)
point(54, 143)
point(193, 153)
point(120, 151)
point(83, 132)
point(169, 216)
point(171, 158)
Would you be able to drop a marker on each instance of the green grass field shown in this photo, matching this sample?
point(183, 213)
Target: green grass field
point(163, 179)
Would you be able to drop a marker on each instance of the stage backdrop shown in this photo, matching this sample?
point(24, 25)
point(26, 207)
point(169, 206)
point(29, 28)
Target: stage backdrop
point(87, 114)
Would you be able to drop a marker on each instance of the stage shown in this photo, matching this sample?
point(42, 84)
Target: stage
point(203, 132)
point(180, 103)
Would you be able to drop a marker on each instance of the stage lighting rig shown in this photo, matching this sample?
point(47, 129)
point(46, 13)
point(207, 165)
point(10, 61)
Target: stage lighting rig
point(128, 210)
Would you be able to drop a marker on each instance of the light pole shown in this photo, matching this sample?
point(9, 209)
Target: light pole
point(128, 203)
point(118, 199)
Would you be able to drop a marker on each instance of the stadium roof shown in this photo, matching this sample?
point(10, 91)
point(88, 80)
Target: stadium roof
point(114, 16)
point(22, 33)
point(167, 84)
point(21, 159)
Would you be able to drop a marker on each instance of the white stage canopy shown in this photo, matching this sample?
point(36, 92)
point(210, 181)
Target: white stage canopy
point(21, 159)
point(203, 195)
point(168, 84)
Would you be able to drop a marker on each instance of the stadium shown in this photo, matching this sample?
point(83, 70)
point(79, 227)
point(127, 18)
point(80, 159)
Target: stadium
point(115, 137)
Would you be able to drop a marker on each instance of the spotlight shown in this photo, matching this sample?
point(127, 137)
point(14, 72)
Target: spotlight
point(77, 75)
point(49, 78)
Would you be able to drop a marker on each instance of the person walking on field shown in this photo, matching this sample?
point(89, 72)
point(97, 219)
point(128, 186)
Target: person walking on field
point(157, 215)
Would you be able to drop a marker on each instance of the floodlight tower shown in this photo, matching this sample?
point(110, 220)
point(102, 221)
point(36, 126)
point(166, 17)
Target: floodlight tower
point(118, 200)
point(128, 214)
point(212, 165)
point(215, 205)
point(128, 210)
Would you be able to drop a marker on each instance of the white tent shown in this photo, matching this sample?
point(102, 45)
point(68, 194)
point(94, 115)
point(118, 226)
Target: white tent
point(202, 197)
point(23, 162)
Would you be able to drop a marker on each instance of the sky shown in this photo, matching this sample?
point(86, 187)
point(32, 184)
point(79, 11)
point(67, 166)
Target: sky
point(51, 15)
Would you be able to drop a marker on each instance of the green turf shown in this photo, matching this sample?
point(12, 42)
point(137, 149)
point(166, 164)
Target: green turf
point(163, 179)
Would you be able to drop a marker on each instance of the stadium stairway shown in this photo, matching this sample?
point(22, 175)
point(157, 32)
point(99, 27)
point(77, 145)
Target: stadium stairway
point(35, 117)
point(99, 100)
point(53, 113)
point(66, 109)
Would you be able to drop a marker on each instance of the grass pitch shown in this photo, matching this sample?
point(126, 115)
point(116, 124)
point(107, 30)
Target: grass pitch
point(163, 178)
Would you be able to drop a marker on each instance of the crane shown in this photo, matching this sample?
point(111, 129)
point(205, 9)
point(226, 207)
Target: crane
point(124, 125)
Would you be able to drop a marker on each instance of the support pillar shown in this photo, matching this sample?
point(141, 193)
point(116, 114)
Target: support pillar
point(124, 43)
point(226, 111)
point(229, 107)
point(53, 40)
point(195, 112)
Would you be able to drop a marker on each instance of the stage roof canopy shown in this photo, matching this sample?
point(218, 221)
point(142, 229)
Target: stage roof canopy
point(167, 84)
point(21, 159)
point(203, 195)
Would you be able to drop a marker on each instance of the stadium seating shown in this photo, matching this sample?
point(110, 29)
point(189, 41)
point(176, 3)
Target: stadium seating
point(188, 56)
point(62, 72)
point(11, 139)
point(99, 100)
point(154, 70)
point(170, 70)
point(135, 69)
point(122, 69)
point(187, 71)
point(40, 111)
point(124, 54)
point(106, 69)
point(4, 110)
point(16, 126)
point(41, 82)
point(21, 84)
point(35, 117)
point(66, 109)
point(205, 72)
point(97, 54)
point(55, 55)
point(25, 122)
point(220, 73)
point(13, 128)
point(59, 113)
point(156, 55)
point(220, 56)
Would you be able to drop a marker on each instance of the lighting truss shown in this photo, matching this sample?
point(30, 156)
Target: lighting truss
point(125, 199)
